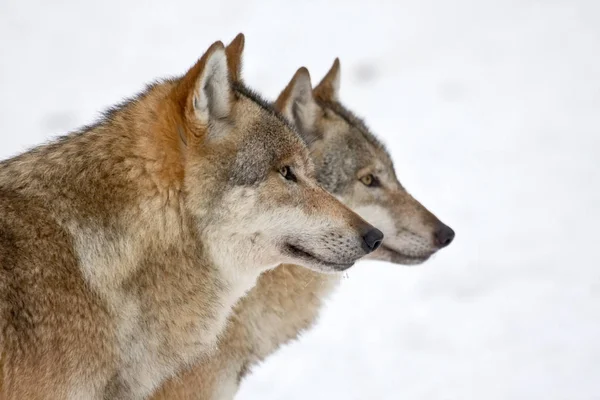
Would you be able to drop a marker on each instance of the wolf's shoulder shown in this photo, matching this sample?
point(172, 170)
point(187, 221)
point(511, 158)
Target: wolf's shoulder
point(29, 235)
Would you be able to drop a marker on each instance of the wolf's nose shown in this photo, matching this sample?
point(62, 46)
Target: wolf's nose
point(444, 235)
point(372, 240)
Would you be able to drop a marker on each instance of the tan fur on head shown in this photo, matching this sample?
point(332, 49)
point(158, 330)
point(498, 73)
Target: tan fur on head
point(329, 88)
point(298, 88)
point(234, 57)
point(297, 102)
point(187, 88)
point(204, 93)
point(182, 120)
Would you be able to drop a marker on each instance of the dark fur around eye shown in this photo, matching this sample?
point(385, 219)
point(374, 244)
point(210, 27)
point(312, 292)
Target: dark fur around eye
point(370, 181)
point(287, 173)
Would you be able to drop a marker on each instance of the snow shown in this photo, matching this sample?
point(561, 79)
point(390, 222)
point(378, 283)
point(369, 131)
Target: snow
point(491, 111)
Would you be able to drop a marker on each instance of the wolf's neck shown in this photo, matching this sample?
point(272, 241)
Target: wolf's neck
point(235, 257)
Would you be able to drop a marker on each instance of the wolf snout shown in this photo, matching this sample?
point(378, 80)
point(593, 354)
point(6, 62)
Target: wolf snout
point(371, 239)
point(443, 235)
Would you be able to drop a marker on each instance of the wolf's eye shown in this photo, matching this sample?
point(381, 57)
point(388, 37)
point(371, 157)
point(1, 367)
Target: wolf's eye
point(287, 173)
point(370, 180)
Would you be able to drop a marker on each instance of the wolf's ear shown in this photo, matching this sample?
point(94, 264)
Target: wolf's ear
point(234, 57)
point(204, 93)
point(329, 88)
point(297, 103)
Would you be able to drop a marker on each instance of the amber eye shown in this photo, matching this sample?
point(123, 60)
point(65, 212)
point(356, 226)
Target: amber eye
point(287, 173)
point(369, 180)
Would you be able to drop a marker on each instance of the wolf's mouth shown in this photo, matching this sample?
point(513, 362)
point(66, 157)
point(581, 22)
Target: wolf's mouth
point(398, 257)
point(299, 253)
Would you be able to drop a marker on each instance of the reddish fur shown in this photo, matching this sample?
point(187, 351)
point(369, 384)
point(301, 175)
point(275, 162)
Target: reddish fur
point(325, 90)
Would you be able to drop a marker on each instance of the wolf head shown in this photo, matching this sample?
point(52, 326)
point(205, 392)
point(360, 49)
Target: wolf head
point(354, 166)
point(248, 180)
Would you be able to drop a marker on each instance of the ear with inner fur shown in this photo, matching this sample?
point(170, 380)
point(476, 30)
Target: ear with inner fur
point(234, 57)
point(204, 94)
point(329, 88)
point(297, 104)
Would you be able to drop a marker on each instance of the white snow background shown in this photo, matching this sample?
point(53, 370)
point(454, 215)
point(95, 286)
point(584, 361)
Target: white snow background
point(491, 110)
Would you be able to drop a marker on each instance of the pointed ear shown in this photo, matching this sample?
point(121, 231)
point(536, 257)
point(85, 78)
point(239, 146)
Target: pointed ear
point(329, 88)
point(234, 57)
point(204, 93)
point(297, 103)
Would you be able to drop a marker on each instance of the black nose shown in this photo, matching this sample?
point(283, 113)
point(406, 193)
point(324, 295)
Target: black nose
point(444, 235)
point(372, 240)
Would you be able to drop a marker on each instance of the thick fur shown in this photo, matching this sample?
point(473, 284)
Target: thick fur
point(124, 246)
point(287, 300)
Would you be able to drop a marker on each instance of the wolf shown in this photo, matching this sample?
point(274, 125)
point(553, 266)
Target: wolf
point(124, 246)
point(352, 164)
